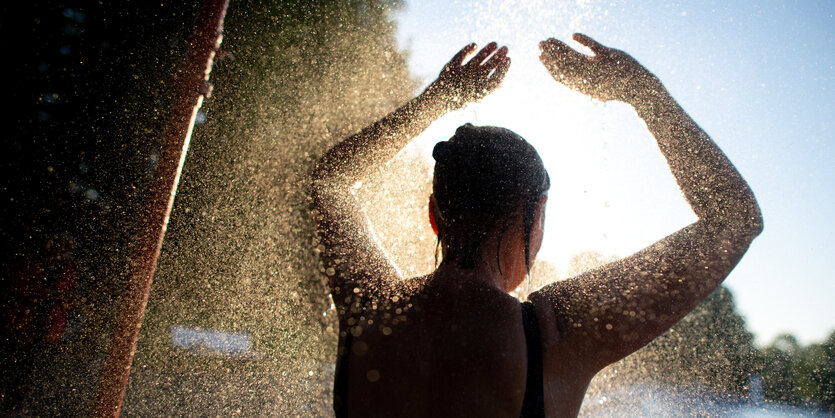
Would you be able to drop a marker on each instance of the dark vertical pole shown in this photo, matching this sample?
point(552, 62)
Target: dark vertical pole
point(192, 86)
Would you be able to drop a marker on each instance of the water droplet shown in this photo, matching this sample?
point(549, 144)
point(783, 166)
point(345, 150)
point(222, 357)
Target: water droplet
point(373, 375)
point(356, 331)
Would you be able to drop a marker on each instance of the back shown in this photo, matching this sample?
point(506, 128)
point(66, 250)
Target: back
point(447, 346)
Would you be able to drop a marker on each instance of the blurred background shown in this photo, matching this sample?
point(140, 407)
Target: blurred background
point(239, 320)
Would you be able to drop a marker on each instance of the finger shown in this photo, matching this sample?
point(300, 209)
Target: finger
point(459, 57)
point(483, 54)
point(558, 55)
point(497, 58)
point(590, 43)
point(498, 75)
point(558, 49)
point(565, 64)
point(552, 44)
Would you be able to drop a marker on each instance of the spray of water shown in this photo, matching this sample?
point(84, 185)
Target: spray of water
point(240, 255)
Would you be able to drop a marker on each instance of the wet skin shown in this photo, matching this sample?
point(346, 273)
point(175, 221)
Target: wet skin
point(452, 343)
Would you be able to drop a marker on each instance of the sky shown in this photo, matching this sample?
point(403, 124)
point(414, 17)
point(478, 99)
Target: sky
point(758, 78)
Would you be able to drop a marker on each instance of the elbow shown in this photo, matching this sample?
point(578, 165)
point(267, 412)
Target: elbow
point(754, 221)
point(749, 222)
point(326, 184)
point(742, 219)
point(332, 170)
point(319, 180)
point(323, 174)
point(320, 173)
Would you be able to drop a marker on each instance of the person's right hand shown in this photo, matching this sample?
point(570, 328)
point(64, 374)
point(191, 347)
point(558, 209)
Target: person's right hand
point(459, 83)
point(610, 74)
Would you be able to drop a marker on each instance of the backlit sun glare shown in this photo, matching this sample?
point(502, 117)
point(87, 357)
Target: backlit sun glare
point(611, 190)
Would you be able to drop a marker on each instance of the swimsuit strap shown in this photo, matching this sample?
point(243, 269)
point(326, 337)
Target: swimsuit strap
point(532, 406)
point(340, 381)
point(534, 403)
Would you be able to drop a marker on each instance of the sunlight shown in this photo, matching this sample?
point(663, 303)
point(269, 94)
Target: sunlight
point(611, 190)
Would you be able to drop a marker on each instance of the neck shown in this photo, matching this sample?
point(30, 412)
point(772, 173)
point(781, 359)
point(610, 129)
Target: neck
point(504, 245)
point(486, 265)
point(480, 272)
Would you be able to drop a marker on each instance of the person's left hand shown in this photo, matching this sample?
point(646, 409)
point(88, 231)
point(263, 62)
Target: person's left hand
point(460, 83)
point(610, 74)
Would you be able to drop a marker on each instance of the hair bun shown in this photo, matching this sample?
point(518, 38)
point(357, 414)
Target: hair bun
point(443, 151)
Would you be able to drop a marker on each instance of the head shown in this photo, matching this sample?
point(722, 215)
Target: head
point(484, 176)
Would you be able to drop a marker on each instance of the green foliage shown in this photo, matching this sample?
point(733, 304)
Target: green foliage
point(710, 346)
point(295, 78)
point(777, 369)
point(821, 366)
point(799, 375)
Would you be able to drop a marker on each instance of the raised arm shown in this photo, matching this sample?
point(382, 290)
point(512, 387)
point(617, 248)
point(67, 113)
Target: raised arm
point(352, 258)
point(605, 314)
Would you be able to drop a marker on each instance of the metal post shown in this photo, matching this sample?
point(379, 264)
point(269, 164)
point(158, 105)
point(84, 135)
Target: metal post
point(191, 87)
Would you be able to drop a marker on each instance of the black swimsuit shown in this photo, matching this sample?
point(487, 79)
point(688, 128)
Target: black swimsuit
point(534, 403)
point(532, 406)
point(340, 378)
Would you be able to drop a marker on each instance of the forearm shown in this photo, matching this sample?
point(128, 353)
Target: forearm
point(713, 187)
point(607, 313)
point(356, 156)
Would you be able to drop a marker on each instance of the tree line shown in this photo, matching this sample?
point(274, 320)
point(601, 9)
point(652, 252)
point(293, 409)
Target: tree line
point(712, 347)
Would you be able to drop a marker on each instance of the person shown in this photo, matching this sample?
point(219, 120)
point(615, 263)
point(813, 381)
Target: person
point(454, 342)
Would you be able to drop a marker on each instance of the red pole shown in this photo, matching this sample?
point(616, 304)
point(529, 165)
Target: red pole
point(192, 87)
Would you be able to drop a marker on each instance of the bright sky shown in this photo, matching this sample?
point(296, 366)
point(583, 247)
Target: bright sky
point(760, 79)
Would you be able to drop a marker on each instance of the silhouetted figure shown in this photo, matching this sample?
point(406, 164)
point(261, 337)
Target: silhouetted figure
point(454, 343)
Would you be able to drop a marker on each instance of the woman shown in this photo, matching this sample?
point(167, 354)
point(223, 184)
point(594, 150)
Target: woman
point(454, 343)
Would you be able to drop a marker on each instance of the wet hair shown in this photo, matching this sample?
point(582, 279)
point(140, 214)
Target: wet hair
point(482, 174)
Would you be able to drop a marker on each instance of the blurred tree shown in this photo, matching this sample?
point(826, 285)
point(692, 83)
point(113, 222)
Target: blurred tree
point(585, 261)
point(822, 370)
point(542, 273)
point(799, 375)
point(293, 79)
point(777, 361)
point(711, 345)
